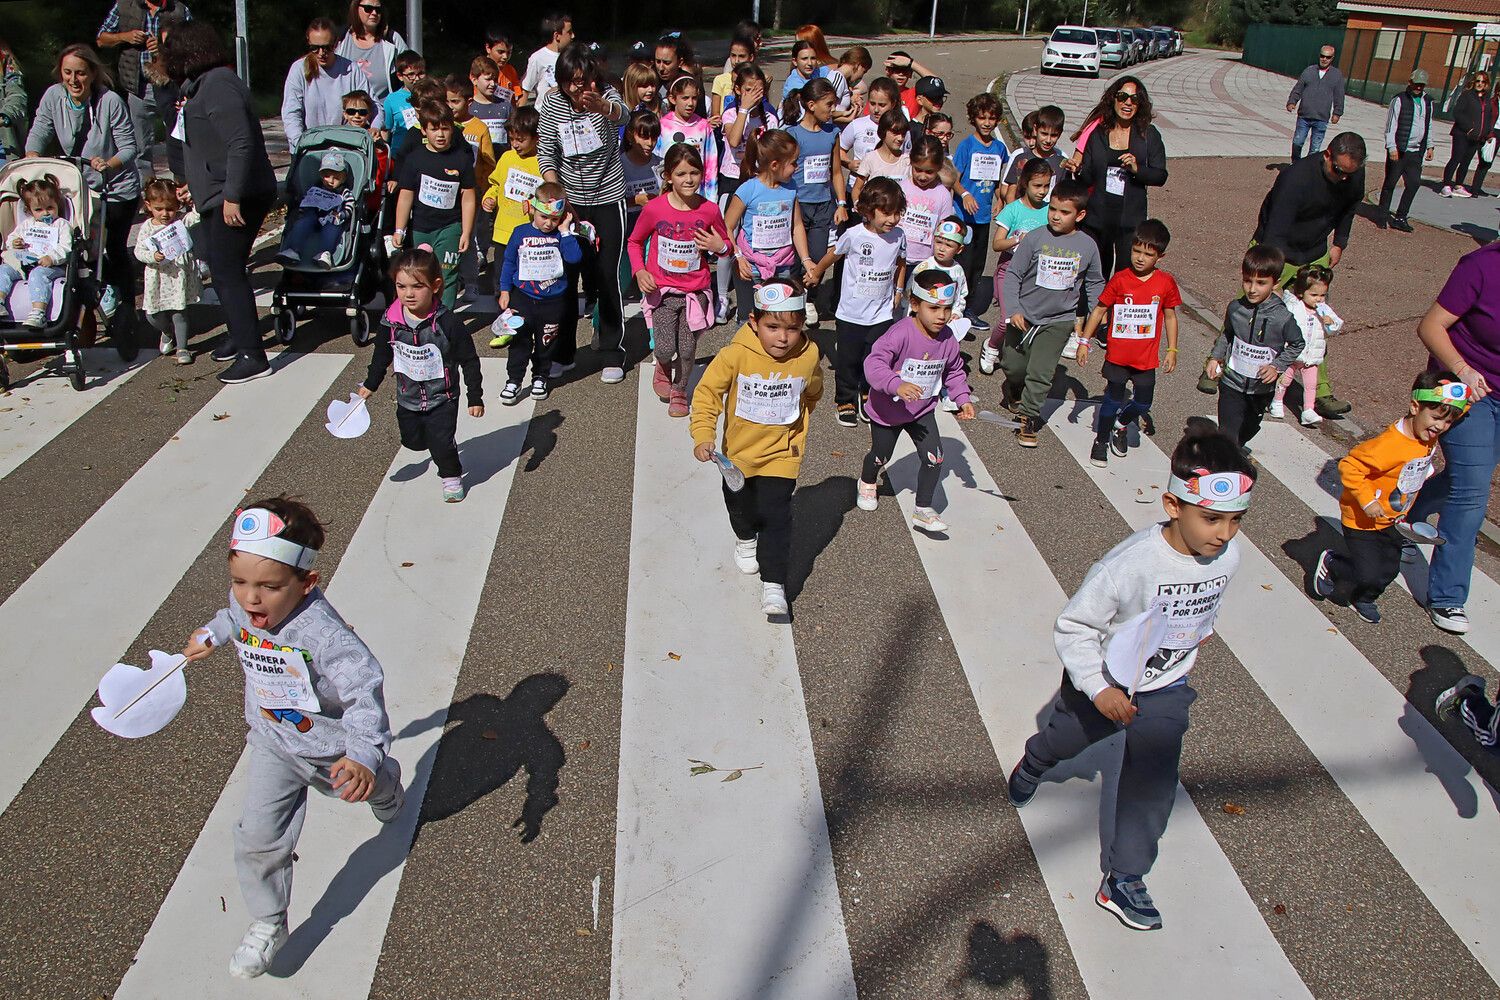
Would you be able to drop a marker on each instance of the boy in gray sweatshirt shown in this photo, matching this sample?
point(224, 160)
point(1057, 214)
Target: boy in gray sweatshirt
point(1052, 268)
point(314, 701)
point(1259, 341)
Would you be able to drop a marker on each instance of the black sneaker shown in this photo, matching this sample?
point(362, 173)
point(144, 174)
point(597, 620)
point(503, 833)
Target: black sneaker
point(1400, 224)
point(539, 390)
point(1148, 426)
point(1099, 454)
point(511, 394)
point(245, 369)
point(1450, 619)
point(1322, 581)
point(1021, 787)
point(848, 415)
point(1367, 611)
point(1129, 901)
point(225, 352)
point(1119, 440)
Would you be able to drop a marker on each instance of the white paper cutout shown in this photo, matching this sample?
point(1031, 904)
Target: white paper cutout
point(348, 420)
point(158, 695)
point(733, 477)
point(1133, 645)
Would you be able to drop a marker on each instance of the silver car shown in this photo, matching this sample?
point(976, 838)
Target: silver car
point(1114, 48)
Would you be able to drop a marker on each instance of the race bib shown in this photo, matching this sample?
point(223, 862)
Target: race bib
point(435, 193)
point(1114, 181)
point(520, 186)
point(419, 362)
point(496, 130)
point(409, 117)
point(1414, 474)
point(1134, 322)
point(1247, 358)
point(1055, 272)
point(40, 239)
point(918, 222)
point(985, 166)
point(816, 169)
point(1190, 610)
point(925, 374)
point(773, 402)
point(872, 282)
point(541, 263)
point(646, 185)
point(579, 138)
point(278, 678)
point(770, 232)
point(173, 242)
point(677, 256)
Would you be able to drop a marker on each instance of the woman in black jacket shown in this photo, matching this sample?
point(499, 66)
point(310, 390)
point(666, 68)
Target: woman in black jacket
point(230, 179)
point(1473, 122)
point(1122, 158)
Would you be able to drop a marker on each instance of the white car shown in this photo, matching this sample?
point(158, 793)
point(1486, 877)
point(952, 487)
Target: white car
point(1071, 49)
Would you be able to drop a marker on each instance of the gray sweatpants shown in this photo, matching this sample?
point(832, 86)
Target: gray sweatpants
point(1148, 773)
point(275, 806)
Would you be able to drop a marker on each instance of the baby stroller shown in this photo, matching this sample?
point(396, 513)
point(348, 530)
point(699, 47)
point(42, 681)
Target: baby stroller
point(358, 261)
point(72, 294)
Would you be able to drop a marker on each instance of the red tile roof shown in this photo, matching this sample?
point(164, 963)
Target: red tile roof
point(1483, 10)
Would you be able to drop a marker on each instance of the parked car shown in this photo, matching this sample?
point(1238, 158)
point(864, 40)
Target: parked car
point(1114, 48)
point(1145, 43)
point(1180, 40)
point(1071, 49)
point(1165, 44)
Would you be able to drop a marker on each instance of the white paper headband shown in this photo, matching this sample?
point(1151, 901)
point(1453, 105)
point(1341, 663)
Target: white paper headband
point(776, 297)
point(942, 295)
point(257, 531)
point(1221, 491)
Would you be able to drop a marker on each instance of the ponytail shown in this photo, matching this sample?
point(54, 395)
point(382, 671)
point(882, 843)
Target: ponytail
point(771, 145)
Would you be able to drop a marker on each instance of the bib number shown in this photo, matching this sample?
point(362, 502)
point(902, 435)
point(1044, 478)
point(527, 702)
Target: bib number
point(770, 232)
point(771, 402)
point(918, 223)
point(437, 194)
point(985, 166)
point(418, 362)
point(1114, 181)
point(497, 132)
point(817, 169)
point(1247, 358)
point(1055, 273)
point(925, 374)
point(519, 185)
point(1134, 322)
point(579, 138)
point(409, 117)
point(873, 282)
point(278, 678)
point(541, 263)
point(1413, 475)
point(677, 256)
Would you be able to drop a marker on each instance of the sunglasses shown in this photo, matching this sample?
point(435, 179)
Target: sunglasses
point(357, 112)
point(1127, 97)
point(1322, 57)
point(319, 48)
point(1340, 173)
point(371, 8)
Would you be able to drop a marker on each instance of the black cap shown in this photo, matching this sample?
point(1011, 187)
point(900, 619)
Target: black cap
point(932, 87)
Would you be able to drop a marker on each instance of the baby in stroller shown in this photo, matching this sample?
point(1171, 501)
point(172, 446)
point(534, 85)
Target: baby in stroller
point(38, 247)
point(324, 215)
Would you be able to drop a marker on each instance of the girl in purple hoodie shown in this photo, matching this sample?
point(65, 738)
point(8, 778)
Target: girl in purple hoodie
point(907, 368)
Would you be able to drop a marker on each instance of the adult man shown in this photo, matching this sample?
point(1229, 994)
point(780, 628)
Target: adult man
point(1317, 98)
point(1408, 124)
point(1311, 199)
point(136, 26)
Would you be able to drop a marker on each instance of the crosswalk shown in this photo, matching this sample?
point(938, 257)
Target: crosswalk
point(750, 887)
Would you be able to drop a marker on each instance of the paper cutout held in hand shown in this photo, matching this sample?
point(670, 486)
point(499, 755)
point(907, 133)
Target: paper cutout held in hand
point(990, 416)
point(1419, 533)
point(1133, 645)
point(348, 420)
point(140, 702)
point(733, 477)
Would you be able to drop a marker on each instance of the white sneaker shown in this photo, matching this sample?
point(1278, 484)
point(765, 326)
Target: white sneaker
point(722, 315)
point(325, 260)
point(1447, 191)
point(927, 519)
point(744, 556)
point(1310, 417)
point(773, 600)
point(1071, 351)
point(811, 312)
point(36, 320)
point(1459, 192)
point(259, 945)
point(1277, 410)
point(558, 369)
point(612, 375)
point(867, 500)
point(989, 358)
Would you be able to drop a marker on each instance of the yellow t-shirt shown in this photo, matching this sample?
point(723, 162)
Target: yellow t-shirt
point(511, 183)
point(478, 137)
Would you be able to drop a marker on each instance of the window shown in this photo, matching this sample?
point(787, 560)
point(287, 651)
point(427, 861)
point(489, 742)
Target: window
point(1389, 44)
point(1460, 50)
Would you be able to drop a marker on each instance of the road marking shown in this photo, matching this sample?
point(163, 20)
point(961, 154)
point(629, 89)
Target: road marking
point(409, 583)
point(987, 542)
point(706, 677)
point(1403, 776)
point(33, 414)
point(65, 625)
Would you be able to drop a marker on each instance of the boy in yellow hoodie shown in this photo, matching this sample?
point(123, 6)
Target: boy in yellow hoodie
point(1382, 477)
point(766, 383)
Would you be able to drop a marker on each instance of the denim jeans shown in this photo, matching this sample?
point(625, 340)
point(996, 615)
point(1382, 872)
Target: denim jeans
point(1311, 129)
point(1460, 493)
point(38, 283)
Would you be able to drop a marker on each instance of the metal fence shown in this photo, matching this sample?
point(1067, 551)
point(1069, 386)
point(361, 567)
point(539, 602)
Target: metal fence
point(1376, 64)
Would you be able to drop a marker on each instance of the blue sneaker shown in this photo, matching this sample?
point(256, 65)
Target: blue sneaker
point(1366, 610)
point(1021, 787)
point(109, 302)
point(978, 325)
point(1322, 581)
point(1126, 897)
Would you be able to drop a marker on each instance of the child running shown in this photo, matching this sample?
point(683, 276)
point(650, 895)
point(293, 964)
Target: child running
point(674, 277)
point(1382, 477)
point(37, 247)
point(517, 175)
point(765, 383)
point(765, 217)
point(437, 195)
point(172, 283)
point(980, 160)
point(1260, 340)
point(874, 273)
point(1179, 570)
point(818, 180)
point(1012, 223)
point(1306, 298)
point(683, 124)
point(927, 200)
point(314, 701)
point(948, 242)
point(428, 345)
point(1139, 303)
point(533, 281)
point(908, 367)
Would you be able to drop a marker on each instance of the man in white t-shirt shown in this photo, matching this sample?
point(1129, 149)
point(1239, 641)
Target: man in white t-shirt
point(541, 68)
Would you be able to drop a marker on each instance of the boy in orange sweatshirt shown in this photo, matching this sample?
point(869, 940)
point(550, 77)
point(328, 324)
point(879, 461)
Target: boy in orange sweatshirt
point(1382, 477)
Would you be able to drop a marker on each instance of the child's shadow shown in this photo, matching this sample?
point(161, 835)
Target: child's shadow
point(482, 456)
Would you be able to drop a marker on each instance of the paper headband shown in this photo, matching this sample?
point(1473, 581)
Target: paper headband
point(955, 231)
point(257, 531)
point(1223, 491)
point(942, 295)
point(776, 297)
point(1454, 394)
point(556, 207)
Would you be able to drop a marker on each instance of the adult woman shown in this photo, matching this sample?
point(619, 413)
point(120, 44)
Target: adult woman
point(316, 84)
point(81, 116)
point(231, 181)
point(13, 104)
point(1122, 158)
point(1473, 122)
point(372, 45)
point(1462, 333)
point(578, 145)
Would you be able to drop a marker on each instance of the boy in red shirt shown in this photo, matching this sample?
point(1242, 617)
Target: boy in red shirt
point(1139, 303)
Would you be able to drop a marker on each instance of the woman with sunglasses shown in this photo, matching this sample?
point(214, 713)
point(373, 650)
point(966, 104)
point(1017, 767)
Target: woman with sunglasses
point(316, 84)
point(1122, 157)
point(372, 44)
point(1474, 119)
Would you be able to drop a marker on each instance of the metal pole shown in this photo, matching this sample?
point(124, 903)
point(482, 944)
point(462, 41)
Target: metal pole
point(414, 24)
point(932, 27)
point(241, 42)
point(1026, 19)
point(755, 11)
point(1085, 13)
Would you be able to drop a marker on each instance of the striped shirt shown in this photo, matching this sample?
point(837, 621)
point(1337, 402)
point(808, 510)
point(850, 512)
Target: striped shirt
point(594, 177)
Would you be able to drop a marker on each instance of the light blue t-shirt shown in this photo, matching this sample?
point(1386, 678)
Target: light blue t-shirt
point(981, 174)
point(815, 152)
point(1019, 219)
point(768, 210)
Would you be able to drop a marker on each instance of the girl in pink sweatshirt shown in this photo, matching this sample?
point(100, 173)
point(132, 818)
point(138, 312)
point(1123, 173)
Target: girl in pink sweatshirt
point(684, 124)
point(674, 273)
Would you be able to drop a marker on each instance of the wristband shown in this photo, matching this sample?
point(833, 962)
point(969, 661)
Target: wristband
point(1171, 350)
point(843, 203)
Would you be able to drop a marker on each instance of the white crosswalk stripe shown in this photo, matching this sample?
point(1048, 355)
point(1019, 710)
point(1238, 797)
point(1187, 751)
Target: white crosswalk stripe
point(35, 413)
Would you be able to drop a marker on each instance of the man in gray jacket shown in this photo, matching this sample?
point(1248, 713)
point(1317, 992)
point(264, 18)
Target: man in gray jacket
point(1317, 98)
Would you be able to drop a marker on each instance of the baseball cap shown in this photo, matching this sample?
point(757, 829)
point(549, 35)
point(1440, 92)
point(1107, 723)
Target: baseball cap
point(932, 87)
point(333, 160)
point(1419, 76)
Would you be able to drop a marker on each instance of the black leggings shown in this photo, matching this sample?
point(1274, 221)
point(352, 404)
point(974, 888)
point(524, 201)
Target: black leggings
point(1143, 382)
point(434, 431)
point(763, 508)
point(972, 259)
point(1114, 247)
point(1371, 561)
point(853, 346)
point(118, 270)
point(1240, 413)
point(924, 434)
point(609, 222)
point(1464, 149)
point(228, 251)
